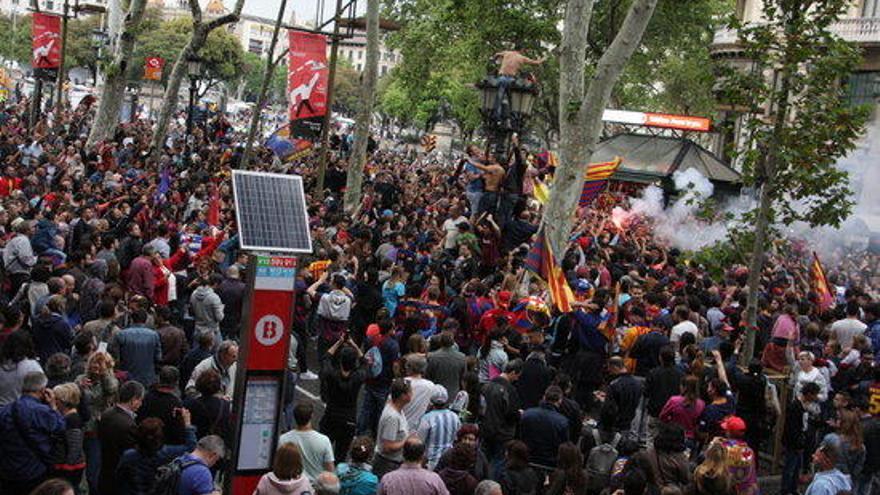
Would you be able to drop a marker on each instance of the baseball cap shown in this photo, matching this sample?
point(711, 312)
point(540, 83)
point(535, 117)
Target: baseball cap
point(504, 298)
point(439, 395)
point(733, 424)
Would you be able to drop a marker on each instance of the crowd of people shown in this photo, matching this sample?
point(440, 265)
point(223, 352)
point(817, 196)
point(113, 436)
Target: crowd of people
point(443, 365)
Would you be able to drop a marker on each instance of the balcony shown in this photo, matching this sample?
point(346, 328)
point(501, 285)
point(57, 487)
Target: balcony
point(864, 31)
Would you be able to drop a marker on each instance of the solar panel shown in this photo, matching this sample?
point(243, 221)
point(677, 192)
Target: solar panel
point(271, 212)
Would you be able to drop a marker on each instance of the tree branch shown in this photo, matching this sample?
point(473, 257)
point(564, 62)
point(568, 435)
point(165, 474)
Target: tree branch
point(196, 11)
point(280, 57)
point(228, 18)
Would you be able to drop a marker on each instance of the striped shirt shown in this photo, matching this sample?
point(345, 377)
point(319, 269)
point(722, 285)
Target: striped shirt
point(438, 429)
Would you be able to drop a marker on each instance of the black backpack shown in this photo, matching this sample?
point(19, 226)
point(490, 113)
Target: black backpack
point(167, 481)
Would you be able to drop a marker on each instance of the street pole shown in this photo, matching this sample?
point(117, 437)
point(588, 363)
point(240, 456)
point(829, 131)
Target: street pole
point(325, 128)
point(192, 102)
point(36, 96)
point(59, 83)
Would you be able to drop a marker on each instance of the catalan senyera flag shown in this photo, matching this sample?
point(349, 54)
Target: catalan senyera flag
point(820, 284)
point(541, 261)
point(596, 180)
point(609, 326)
point(541, 192)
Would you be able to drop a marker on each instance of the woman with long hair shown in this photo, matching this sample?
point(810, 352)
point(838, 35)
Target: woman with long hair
point(286, 477)
point(711, 477)
point(665, 461)
point(519, 478)
point(569, 478)
point(457, 476)
point(684, 409)
point(849, 441)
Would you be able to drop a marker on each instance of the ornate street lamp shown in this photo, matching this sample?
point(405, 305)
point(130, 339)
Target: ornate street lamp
point(194, 67)
point(505, 110)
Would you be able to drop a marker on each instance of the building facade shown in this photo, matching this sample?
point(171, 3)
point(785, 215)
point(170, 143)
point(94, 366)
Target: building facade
point(22, 7)
point(354, 50)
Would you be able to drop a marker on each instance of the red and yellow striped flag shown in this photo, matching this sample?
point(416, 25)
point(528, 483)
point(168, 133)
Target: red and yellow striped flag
point(596, 180)
point(820, 284)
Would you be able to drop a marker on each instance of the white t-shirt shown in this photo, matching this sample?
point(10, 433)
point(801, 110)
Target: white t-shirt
point(844, 330)
point(450, 226)
point(422, 390)
point(315, 449)
point(682, 328)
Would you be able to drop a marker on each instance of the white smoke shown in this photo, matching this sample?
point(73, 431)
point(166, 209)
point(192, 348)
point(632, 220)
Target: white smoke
point(863, 167)
point(679, 225)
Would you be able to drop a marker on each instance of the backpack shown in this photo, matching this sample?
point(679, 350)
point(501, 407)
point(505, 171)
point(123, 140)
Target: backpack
point(373, 357)
point(167, 481)
point(600, 462)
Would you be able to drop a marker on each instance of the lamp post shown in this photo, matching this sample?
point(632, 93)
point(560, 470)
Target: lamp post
point(99, 40)
point(194, 71)
point(509, 115)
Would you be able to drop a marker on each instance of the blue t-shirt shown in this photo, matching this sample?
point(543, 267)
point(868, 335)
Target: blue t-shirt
point(196, 479)
point(475, 185)
point(391, 294)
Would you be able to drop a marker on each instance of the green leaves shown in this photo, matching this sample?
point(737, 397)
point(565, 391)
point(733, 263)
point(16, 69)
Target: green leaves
point(801, 123)
point(15, 39)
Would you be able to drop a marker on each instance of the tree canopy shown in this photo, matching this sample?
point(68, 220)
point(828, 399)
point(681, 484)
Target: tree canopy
point(446, 46)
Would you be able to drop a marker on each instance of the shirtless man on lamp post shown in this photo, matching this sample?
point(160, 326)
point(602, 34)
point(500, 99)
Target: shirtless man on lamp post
point(511, 62)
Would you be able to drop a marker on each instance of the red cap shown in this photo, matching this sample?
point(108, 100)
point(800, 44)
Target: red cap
point(504, 297)
point(733, 424)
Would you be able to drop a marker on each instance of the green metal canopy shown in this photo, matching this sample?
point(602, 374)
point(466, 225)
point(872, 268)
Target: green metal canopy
point(647, 158)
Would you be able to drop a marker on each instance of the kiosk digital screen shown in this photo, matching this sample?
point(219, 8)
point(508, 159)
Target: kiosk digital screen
point(258, 422)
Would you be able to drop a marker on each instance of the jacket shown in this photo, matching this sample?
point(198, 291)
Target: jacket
point(18, 256)
point(829, 482)
point(137, 350)
point(458, 482)
point(624, 394)
point(661, 384)
point(207, 308)
point(501, 415)
point(269, 484)
point(231, 293)
point(535, 378)
point(669, 469)
point(116, 433)
point(335, 305)
point(543, 429)
point(136, 471)
point(52, 334)
point(27, 427)
point(140, 278)
point(797, 423)
point(356, 479)
point(227, 376)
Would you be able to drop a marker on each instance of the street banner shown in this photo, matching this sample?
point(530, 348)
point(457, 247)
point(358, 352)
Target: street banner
point(307, 74)
point(153, 68)
point(46, 43)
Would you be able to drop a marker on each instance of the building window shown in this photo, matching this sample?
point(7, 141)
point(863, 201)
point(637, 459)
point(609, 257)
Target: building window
point(50, 5)
point(360, 68)
point(871, 8)
point(255, 46)
point(360, 54)
point(350, 55)
point(863, 87)
point(384, 69)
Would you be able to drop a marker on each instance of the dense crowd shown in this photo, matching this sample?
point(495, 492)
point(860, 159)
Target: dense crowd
point(443, 365)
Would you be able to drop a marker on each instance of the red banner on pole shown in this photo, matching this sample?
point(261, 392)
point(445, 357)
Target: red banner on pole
point(307, 75)
point(153, 68)
point(46, 42)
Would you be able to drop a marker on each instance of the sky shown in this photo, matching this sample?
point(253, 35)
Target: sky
point(305, 9)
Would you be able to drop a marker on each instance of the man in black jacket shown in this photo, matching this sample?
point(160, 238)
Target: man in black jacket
point(501, 414)
point(621, 400)
point(794, 436)
point(661, 384)
point(116, 433)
